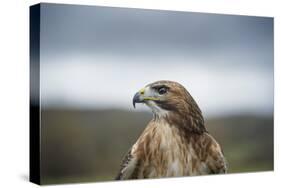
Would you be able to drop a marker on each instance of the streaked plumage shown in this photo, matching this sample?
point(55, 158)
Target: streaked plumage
point(175, 142)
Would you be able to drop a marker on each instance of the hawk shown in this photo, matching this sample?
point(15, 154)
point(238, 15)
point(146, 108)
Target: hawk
point(175, 142)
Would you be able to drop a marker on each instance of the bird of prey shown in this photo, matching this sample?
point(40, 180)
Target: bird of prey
point(175, 142)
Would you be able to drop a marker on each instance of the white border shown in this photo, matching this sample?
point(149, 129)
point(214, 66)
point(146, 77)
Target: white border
point(14, 93)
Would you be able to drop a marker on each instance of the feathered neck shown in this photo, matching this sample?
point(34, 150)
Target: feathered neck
point(187, 116)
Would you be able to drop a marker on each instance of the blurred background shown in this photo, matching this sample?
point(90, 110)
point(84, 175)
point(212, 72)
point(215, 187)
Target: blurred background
point(93, 60)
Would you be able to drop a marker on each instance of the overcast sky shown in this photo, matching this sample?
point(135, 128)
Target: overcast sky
point(97, 57)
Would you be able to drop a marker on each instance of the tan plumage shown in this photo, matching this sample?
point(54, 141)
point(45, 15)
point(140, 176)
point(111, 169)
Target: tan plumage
point(175, 142)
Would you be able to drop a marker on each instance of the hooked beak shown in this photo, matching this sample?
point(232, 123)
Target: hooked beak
point(143, 96)
point(137, 99)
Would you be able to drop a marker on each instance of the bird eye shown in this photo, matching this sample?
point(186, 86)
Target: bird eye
point(162, 90)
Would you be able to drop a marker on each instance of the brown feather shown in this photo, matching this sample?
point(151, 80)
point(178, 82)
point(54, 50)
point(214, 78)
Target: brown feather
point(176, 144)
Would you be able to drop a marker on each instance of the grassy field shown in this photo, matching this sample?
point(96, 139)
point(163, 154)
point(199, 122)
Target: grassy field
point(88, 145)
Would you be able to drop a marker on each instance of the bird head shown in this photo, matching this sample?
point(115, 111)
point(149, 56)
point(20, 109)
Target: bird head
point(163, 97)
point(171, 101)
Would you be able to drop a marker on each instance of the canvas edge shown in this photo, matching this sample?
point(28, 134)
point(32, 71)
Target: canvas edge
point(34, 102)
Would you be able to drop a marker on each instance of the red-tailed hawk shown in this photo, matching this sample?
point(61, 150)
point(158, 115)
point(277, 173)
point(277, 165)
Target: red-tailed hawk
point(175, 142)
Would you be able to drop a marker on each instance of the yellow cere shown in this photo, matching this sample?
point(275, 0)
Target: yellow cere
point(142, 91)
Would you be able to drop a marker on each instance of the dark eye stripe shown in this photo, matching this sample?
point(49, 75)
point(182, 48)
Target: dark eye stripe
point(157, 87)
